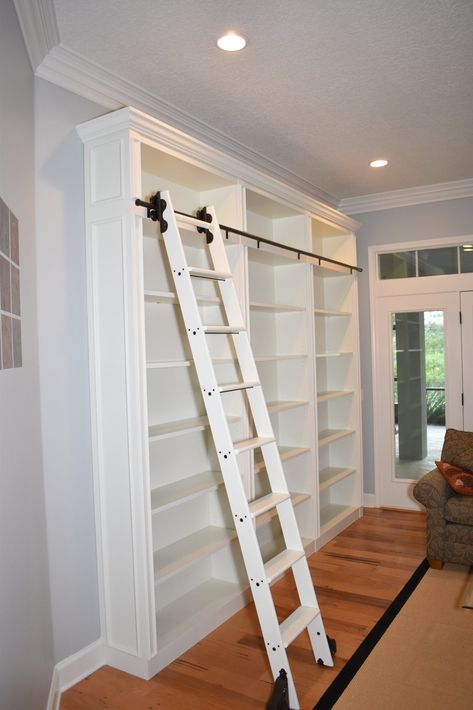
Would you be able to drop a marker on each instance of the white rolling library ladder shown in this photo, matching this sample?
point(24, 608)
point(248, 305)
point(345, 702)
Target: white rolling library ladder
point(170, 567)
point(277, 637)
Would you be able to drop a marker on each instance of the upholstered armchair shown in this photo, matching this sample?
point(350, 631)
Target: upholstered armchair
point(449, 515)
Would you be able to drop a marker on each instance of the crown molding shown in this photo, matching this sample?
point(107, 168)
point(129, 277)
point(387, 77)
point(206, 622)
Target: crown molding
point(70, 70)
point(38, 24)
point(203, 153)
point(409, 196)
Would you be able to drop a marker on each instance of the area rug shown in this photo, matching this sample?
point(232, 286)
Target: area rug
point(418, 655)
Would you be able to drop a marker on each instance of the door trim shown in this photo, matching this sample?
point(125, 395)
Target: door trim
point(378, 288)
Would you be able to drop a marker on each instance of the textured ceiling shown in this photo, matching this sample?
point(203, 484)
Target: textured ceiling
point(323, 86)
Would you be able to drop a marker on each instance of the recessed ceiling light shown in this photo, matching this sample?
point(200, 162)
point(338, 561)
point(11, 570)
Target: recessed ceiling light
point(231, 42)
point(380, 163)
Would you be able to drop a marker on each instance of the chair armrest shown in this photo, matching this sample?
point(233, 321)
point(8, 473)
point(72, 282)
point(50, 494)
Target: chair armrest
point(432, 490)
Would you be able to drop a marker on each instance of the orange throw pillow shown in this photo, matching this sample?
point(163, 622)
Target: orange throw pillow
point(459, 480)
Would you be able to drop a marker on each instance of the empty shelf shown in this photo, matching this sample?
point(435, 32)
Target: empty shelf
point(276, 307)
point(282, 356)
point(176, 619)
point(333, 394)
point(341, 353)
point(172, 494)
point(330, 475)
point(328, 435)
point(334, 513)
point(330, 312)
point(183, 426)
point(274, 407)
point(175, 557)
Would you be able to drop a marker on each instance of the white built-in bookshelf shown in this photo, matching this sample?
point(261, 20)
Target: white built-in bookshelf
point(169, 561)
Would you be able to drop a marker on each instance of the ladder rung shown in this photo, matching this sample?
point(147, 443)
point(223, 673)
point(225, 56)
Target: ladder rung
point(232, 386)
point(249, 444)
point(261, 505)
point(223, 329)
point(281, 563)
point(199, 273)
point(186, 219)
point(296, 623)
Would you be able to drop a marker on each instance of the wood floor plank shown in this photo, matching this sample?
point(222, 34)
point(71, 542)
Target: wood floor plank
point(356, 575)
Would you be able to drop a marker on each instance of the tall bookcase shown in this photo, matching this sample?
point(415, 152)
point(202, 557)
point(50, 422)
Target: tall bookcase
point(170, 567)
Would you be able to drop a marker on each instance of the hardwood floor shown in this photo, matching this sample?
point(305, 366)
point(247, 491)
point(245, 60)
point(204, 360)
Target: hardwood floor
point(356, 575)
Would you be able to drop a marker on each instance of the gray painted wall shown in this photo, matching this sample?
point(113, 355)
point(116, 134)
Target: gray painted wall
point(436, 220)
point(26, 644)
point(62, 310)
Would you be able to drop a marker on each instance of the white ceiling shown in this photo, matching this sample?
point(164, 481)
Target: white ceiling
point(323, 87)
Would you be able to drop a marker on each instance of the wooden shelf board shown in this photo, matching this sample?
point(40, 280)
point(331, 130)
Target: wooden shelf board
point(268, 254)
point(334, 513)
point(332, 474)
point(327, 269)
point(285, 452)
point(328, 435)
point(167, 364)
point(276, 307)
point(172, 559)
point(175, 619)
point(330, 312)
point(333, 394)
point(183, 426)
point(168, 496)
point(276, 358)
point(281, 406)
point(341, 353)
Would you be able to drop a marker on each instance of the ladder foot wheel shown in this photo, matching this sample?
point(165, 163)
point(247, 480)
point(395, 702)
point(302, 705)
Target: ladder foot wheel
point(332, 644)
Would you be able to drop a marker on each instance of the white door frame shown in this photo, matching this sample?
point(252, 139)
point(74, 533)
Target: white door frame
point(467, 356)
point(395, 287)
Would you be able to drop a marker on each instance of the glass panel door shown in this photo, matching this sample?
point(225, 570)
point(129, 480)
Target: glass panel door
point(418, 344)
point(418, 389)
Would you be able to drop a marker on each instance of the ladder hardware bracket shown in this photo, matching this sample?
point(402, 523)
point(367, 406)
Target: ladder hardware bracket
point(155, 210)
point(205, 217)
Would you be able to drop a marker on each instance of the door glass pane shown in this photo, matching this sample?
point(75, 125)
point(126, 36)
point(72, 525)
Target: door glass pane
point(398, 265)
point(418, 344)
point(466, 258)
point(433, 262)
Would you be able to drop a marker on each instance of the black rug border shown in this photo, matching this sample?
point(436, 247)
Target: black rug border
point(354, 663)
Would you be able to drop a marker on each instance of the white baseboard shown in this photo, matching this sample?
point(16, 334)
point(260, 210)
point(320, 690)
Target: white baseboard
point(54, 698)
point(71, 670)
point(369, 500)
